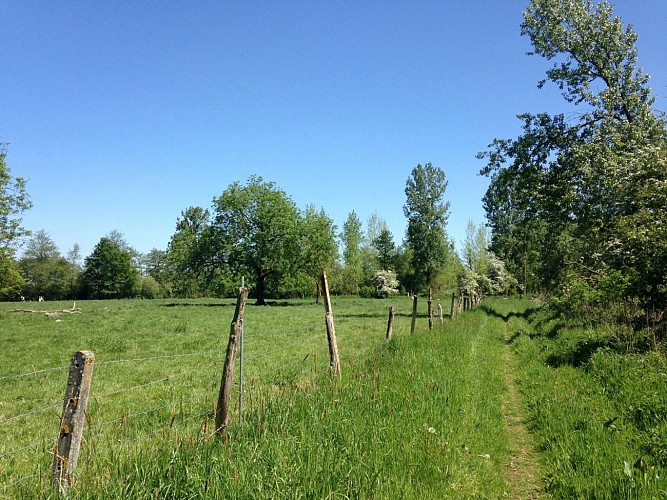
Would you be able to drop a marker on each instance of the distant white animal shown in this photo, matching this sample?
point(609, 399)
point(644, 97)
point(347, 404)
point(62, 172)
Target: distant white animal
point(41, 299)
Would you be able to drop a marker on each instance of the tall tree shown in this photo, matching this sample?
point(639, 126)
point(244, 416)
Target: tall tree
point(255, 232)
point(475, 247)
point(385, 249)
point(318, 236)
point(352, 238)
point(74, 261)
point(427, 213)
point(589, 184)
point(14, 200)
point(109, 272)
point(186, 254)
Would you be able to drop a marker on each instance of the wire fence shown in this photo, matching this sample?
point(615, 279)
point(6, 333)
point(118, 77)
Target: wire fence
point(154, 403)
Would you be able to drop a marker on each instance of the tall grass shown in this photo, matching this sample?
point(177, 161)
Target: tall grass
point(599, 416)
point(418, 417)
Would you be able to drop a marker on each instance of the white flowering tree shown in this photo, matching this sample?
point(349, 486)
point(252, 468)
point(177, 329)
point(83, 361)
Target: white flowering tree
point(385, 283)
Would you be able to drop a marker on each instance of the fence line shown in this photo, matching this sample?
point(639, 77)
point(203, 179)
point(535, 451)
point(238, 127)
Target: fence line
point(150, 358)
point(186, 413)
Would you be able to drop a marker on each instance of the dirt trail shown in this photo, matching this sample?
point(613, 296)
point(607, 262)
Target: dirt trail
point(523, 471)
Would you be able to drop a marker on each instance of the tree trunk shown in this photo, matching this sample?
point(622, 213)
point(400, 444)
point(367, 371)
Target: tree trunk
point(260, 287)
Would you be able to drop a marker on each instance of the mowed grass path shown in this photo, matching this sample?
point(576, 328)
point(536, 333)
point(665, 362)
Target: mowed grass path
point(423, 416)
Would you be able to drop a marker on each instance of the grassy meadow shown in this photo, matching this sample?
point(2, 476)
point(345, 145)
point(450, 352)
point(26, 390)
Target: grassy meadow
point(418, 417)
point(429, 415)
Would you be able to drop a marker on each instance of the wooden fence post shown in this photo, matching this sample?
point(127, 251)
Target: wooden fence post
point(331, 331)
point(222, 409)
point(451, 314)
point(414, 314)
point(440, 316)
point(390, 323)
point(430, 308)
point(73, 417)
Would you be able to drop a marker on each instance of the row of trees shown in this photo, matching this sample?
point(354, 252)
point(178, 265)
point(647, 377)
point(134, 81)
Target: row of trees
point(577, 203)
point(256, 231)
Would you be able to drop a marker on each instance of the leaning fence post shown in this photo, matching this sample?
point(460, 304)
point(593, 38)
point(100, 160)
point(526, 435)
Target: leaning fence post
point(73, 417)
point(430, 308)
point(331, 331)
point(222, 409)
point(414, 314)
point(451, 313)
point(390, 323)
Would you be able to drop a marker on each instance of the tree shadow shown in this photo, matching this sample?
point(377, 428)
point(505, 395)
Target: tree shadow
point(527, 314)
point(580, 354)
point(193, 304)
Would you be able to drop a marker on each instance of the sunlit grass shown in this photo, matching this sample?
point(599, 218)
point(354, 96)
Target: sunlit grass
point(418, 417)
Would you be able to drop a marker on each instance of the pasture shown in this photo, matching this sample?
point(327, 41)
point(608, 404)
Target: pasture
point(435, 414)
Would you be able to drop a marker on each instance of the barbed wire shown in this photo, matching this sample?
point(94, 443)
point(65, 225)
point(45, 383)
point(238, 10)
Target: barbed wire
point(33, 372)
point(151, 358)
point(34, 444)
point(39, 410)
point(5, 487)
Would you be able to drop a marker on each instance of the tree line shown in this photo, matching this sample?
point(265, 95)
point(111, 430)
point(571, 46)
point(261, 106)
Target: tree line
point(577, 204)
point(253, 231)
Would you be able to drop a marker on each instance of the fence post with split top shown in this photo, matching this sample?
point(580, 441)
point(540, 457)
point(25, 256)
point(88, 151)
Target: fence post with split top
point(222, 409)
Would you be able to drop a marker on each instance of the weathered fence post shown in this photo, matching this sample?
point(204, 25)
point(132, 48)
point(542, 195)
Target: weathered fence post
point(73, 417)
point(222, 409)
point(241, 365)
point(451, 314)
point(331, 331)
point(440, 316)
point(390, 323)
point(430, 308)
point(414, 314)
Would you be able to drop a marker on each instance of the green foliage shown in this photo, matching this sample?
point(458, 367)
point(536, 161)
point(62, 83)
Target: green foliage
point(258, 232)
point(386, 249)
point(109, 272)
point(185, 266)
point(14, 200)
point(427, 214)
point(582, 198)
point(352, 238)
point(46, 272)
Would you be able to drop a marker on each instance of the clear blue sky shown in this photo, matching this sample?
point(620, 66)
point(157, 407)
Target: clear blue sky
point(123, 114)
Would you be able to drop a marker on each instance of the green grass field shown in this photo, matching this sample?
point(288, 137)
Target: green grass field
point(422, 416)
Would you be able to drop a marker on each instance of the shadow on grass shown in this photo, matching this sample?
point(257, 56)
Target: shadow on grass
point(578, 355)
point(196, 304)
point(527, 314)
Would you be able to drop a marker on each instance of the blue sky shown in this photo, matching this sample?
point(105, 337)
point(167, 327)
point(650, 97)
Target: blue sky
point(123, 114)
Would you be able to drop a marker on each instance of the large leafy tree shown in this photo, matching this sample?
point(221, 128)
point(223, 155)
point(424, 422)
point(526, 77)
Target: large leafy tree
point(427, 213)
point(14, 200)
point(109, 272)
point(258, 232)
point(584, 185)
